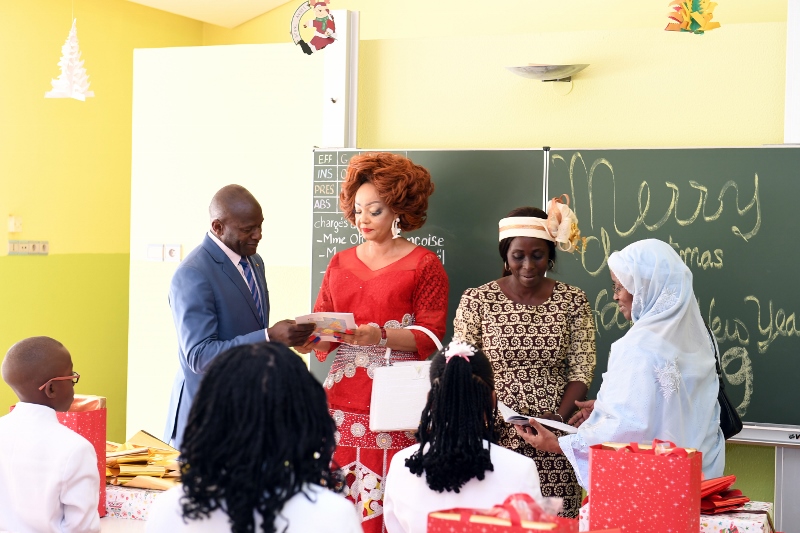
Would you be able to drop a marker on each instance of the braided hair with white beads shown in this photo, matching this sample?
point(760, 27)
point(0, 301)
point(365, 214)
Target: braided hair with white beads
point(458, 417)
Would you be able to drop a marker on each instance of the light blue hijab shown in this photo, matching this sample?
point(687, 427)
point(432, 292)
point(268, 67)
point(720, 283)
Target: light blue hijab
point(661, 381)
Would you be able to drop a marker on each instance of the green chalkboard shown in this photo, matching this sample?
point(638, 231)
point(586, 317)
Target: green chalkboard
point(732, 215)
point(474, 190)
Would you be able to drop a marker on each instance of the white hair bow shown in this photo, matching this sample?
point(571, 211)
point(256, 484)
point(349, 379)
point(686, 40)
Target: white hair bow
point(458, 348)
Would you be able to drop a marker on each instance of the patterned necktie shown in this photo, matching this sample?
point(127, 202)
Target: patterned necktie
point(251, 283)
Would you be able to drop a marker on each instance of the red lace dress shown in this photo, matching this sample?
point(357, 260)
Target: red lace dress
point(412, 290)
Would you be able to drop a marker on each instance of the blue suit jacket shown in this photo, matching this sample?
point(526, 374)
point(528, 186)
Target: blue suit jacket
point(213, 311)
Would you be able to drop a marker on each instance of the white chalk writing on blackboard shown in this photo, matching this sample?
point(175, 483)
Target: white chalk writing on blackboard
point(644, 194)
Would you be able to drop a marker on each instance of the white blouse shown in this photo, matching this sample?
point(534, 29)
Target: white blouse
point(408, 499)
point(324, 511)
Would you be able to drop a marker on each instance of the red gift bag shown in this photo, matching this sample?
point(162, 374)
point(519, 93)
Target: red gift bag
point(87, 418)
point(500, 519)
point(644, 489)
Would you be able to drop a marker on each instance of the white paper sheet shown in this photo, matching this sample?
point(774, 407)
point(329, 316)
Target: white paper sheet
point(512, 417)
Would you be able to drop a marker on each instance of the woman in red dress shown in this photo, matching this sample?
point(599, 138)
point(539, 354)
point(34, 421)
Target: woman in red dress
point(388, 283)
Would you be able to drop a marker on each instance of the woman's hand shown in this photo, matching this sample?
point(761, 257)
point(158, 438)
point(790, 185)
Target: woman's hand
point(364, 335)
point(584, 410)
point(539, 437)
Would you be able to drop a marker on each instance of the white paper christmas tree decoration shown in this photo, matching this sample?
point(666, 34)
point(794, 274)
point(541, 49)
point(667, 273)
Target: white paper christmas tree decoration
point(73, 81)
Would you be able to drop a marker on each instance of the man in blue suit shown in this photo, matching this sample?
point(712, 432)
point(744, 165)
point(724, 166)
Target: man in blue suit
point(219, 299)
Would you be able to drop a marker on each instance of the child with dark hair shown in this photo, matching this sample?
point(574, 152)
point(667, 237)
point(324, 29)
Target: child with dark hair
point(48, 473)
point(455, 463)
point(256, 453)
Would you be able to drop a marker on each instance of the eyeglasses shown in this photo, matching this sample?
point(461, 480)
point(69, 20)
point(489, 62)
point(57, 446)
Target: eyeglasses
point(74, 378)
point(616, 288)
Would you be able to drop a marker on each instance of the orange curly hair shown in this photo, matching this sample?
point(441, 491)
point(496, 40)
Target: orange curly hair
point(402, 185)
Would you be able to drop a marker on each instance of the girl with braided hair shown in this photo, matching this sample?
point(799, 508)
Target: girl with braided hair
point(455, 463)
point(256, 453)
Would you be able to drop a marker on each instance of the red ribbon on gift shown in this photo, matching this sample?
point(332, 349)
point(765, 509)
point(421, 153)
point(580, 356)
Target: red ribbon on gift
point(658, 448)
point(533, 513)
point(509, 511)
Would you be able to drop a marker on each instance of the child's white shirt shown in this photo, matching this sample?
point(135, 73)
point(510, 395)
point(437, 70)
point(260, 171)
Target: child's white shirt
point(48, 474)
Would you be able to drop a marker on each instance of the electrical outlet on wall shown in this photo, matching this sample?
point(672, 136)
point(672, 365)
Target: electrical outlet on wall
point(28, 247)
point(172, 253)
point(39, 248)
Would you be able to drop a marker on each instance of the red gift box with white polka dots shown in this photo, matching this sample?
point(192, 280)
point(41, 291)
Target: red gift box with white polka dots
point(644, 489)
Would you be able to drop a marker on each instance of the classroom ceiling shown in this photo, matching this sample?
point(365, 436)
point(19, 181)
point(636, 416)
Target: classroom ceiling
point(226, 13)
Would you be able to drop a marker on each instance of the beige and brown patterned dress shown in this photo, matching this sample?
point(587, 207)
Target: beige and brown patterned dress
point(535, 350)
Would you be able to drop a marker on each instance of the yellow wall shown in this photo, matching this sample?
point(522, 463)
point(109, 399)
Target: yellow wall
point(65, 169)
point(413, 19)
point(431, 76)
point(427, 82)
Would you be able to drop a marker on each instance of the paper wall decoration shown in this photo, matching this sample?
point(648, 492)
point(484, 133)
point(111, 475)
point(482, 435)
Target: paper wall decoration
point(692, 16)
point(73, 82)
point(323, 24)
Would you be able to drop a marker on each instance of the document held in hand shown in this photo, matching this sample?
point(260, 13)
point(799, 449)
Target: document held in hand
point(329, 323)
point(512, 417)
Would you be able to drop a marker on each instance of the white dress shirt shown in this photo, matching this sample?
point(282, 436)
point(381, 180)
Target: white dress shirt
point(408, 499)
point(235, 258)
point(48, 475)
point(325, 512)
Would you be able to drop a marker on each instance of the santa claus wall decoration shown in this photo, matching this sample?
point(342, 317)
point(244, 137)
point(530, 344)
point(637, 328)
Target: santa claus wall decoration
point(323, 24)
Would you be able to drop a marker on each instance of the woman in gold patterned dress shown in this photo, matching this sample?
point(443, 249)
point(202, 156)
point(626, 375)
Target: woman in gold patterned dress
point(537, 332)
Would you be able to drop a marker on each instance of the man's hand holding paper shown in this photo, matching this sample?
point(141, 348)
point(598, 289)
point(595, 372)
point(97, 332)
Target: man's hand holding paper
point(328, 326)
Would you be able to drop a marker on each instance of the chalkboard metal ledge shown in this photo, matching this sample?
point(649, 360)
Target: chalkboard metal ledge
point(768, 434)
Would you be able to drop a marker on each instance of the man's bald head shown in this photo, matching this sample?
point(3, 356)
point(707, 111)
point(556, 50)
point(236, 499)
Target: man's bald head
point(32, 362)
point(236, 219)
point(229, 200)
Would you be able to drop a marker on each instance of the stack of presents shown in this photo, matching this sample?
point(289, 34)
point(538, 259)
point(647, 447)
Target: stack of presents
point(132, 474)
point(634, 488)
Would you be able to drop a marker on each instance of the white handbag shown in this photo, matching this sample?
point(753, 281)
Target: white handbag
point(400, 391)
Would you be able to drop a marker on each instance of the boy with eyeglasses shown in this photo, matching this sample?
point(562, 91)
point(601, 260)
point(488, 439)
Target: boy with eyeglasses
point(48, 473)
